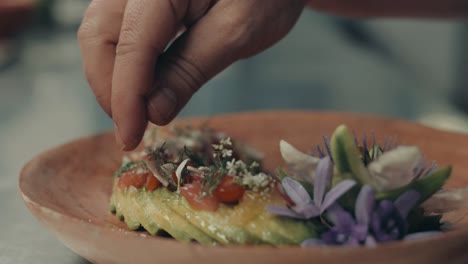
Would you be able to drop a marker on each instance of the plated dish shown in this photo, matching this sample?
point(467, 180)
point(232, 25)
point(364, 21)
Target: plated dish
point(69, 189)
point(197, 184)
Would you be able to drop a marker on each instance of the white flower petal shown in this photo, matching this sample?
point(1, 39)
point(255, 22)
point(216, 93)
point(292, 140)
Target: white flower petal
point(394, 168)
point(445, 201)
point(179, 171)
point(300, 165)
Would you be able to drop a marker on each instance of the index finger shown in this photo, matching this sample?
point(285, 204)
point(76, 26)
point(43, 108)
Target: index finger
point(148, 26)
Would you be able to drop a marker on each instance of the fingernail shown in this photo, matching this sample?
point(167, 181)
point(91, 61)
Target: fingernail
point(118, 138)
point(164, 103)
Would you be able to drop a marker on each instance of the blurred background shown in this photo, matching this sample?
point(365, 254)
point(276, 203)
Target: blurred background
point(412, 69)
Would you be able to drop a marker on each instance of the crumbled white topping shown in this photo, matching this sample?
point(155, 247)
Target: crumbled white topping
point(218, 147)
point(236, 167)
point(226, 141)
point(257, 181)
point(226, 153)
point(221, 150)
point(141, 170)
point(254, 165)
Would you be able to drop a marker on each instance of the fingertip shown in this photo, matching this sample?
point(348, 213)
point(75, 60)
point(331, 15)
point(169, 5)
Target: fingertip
point(129, 114)
point(129, 146)
point(118, 138)
point(129, 143)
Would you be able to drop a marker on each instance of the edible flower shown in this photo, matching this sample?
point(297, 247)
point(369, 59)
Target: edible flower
point(373, 222)
point(394, 192)
point(304, 207)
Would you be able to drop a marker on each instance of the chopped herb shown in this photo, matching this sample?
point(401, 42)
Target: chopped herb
point(129, 166)
point(212, 180)
point(198, 160)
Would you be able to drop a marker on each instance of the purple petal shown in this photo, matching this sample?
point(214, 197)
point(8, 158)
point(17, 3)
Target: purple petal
point(330, 237)
point(296, 191)
point(322, 179)
point(307, 211)
point(379, 216)
point(406, 202)
point(422, 235)
point(312, 242)
point(342, 220)
point(352, 242)
point(283, 211)
point(335, 193)
point(365, 205)
point(360, 232)
point(387, 223)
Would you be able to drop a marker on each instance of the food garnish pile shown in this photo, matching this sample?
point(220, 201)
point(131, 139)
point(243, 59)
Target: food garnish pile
point(200, 185)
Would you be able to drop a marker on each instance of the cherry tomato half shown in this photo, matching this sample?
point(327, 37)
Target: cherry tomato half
point(191, 192)
point(151, 183)
point(228, 191)
point(132, 178)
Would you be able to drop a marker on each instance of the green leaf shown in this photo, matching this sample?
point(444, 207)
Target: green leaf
point(346, 156)
point(281, 173)
point(426, 186)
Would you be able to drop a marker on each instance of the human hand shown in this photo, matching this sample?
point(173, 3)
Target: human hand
point(136, 79)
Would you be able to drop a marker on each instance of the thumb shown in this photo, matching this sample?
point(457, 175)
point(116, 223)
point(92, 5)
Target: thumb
point(204, 50)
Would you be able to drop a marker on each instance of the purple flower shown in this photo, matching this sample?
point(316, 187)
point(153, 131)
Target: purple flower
point(373, 223)
point(346, 229)
point(388, 220)
point(305, 207)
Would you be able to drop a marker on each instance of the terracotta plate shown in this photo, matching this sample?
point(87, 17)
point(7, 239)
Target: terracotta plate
point(68, 190)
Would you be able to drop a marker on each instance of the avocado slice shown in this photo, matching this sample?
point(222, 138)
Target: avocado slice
point(281, 231)
point(148, 222)
point(125, 209)
point(216, 224)
point(155, 208)
point(245, 223)
point(147, 209)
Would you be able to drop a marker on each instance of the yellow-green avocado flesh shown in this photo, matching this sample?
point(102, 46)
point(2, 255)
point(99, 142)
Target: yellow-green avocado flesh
point(247, 223)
